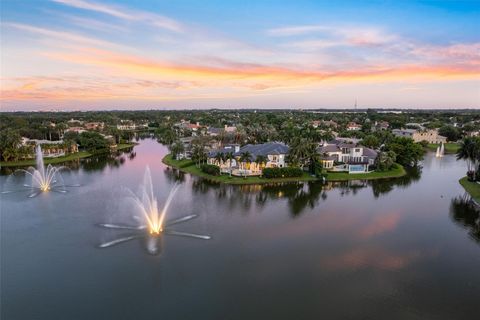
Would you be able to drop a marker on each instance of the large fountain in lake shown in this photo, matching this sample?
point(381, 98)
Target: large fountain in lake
point(149, 220)
point(440, 151)
point(42, 178)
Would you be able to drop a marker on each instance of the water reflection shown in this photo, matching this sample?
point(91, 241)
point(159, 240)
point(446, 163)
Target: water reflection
point(174, 175)
point(464, 212)
point(299, 196)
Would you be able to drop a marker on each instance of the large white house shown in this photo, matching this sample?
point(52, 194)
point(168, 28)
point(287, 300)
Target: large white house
point(342, 155)
point(274, 153)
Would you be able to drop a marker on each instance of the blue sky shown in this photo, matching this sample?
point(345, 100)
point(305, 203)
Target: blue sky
point(82, 54)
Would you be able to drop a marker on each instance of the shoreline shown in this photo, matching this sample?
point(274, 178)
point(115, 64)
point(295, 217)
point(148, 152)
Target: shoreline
point(187, 166)
point(473, 189)
point(62, 159)
point(450, 147)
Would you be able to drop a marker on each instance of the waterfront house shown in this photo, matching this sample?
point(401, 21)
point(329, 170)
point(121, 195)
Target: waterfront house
point(274, 153)
point(55, 148)
point(346, 156)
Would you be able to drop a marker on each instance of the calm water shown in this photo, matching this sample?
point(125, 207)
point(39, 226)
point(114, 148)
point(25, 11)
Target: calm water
point(401, 249)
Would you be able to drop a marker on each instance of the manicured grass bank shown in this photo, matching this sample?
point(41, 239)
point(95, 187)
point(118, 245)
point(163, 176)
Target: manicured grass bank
point(450, 147)
point(396, 172)
point(472, 188)
point(189, 167)
point(57, 160)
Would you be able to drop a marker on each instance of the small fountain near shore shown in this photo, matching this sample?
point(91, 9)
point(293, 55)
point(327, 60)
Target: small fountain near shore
point(151, 220)
point(43, 179)
point(440, 151)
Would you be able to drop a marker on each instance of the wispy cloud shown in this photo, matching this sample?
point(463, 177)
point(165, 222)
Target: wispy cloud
point(68, 37)
point(351, 35)
point(126, 14)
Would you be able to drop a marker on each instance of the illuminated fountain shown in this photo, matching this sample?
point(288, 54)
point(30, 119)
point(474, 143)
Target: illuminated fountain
point(440, 151)
point(151, 223)
point(43, 179)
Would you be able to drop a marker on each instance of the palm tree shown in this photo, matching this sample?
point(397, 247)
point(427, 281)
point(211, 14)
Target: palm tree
point(470, 151)
point(198, 154)
point(261, 159)
point(220, 158)
point(245, 157)
point(176, 148)
point(229, 156)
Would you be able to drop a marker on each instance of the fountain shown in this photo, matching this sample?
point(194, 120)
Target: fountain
point(151, 223)
point(43, 179)
point(440, 151)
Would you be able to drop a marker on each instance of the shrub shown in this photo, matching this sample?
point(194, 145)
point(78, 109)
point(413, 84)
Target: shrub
point(287, 172)
point(210, 169)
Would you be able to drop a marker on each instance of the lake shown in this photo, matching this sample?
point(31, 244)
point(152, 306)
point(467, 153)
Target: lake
point(407, 248)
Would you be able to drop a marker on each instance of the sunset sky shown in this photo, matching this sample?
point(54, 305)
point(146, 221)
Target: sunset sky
point(83, 54)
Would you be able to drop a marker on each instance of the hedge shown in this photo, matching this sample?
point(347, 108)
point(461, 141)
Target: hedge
point(210, 169)
point(287, 172)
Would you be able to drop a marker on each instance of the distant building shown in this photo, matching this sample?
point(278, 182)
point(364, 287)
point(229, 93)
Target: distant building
point(430, 136)
point(212, 131)
point(74, 122)
point(352, 126)
point(94, 125)
point(381, 125)
point(326, 123)
point(76, 129)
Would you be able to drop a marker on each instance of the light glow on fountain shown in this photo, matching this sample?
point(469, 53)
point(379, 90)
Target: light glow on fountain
point(440, 151)
point(43, 178)
point(147, 204)
point(150, 218)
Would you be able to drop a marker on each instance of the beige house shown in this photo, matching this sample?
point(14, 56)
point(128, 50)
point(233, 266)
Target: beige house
point(431, 136)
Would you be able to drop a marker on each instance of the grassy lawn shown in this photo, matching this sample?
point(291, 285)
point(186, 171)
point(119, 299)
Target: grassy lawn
point(70, 157)
point(122, 146)
point(472, 188)
point(189, 167)
point(396, 172)
point(451, 147)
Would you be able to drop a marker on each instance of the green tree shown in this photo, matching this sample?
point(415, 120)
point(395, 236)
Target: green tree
point(199, 154)
point(229, 156)
point(385, 160)
point(10, 141)
point(92, 141)
point(470, 152)
point(176, 148)
point(220, 158)
point(261, 159)
point(244, 158)
point(450, 132)
point(408, 152)
point(370, 141)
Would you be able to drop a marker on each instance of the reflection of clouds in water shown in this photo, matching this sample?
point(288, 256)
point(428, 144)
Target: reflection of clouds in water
point(373, 257)
point(380, 224)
